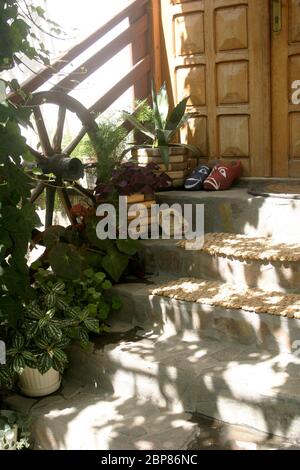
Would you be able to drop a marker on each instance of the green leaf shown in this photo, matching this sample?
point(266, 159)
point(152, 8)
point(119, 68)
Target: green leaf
point(92, 309)
point(60, 355)
point(92, 324)
point(83, 335)
point(156, 113)
point(29, 358)
point(58, 287)
point(34, 311)
point(176, 115)
point(44, 363)
point(52, 235)
point(99, 277)
point(163, 104)
point(137, 125)
point(164, 153)
point(88, 272)
point(129, 247)
point(115, 264)
point(50, 300)
point(65, 261)
point(106, 285)
point(32, 330)
point(116, 302)
point(18, 341)
point(103, 310)
point(55, 332)
point(63, 343)
point(18, 364)
point(42, 343)
point(163, 137)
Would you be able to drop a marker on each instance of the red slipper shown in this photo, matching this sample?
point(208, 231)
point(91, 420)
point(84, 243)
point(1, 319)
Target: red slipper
point(222, 176)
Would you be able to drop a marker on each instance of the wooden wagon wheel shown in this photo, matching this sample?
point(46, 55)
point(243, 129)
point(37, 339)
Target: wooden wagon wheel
point(51, 158)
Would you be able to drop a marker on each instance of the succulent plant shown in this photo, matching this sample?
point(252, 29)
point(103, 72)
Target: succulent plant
point(162, 124)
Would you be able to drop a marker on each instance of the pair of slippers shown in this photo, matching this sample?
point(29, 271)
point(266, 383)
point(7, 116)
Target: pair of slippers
point(218, 178)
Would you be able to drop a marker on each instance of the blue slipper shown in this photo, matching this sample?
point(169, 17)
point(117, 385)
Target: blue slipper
point(197, 177)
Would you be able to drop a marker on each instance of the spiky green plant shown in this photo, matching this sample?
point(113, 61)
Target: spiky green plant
point(161, 124)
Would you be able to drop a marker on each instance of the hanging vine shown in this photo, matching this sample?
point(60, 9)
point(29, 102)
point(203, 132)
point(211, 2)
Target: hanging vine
point(17, 215)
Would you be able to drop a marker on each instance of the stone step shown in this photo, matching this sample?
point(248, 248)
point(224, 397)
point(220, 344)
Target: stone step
point(159, 379)
point(236, 384)
point(164, 256)
point(89, 421)
point(138, 393)
point(237, 211)
point(179, 317)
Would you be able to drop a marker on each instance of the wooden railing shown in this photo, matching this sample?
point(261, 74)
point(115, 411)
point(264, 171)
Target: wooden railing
point(138, 34)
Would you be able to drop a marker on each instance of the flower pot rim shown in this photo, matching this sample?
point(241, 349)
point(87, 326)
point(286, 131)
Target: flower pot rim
point(175, 149)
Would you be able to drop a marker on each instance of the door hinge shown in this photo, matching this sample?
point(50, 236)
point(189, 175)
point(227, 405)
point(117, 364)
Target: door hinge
point(276, 15)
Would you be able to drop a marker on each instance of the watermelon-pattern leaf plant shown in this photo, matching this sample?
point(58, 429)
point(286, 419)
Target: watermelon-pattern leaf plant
point(48, 326)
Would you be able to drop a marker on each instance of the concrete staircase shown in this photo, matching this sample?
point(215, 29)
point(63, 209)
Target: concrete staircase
point(166, 358)
point(236, 211)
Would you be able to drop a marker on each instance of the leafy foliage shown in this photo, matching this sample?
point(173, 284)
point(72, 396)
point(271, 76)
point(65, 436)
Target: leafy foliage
point(17, 216)
point(63, 312)
point(72, 250)
point(8, 420)
point(91, 294)
point(160, 124)
point(130, 178)
point(16, 32)
point(110, 142)
point(49, 324)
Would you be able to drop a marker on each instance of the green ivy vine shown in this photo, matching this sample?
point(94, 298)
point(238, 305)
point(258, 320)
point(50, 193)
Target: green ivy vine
point(17, 215)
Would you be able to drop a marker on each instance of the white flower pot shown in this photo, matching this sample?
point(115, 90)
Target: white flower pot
point(10, 439)
point(34, 384)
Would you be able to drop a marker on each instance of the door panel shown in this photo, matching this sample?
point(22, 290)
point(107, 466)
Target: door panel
point(285, 70)
point(218, 52)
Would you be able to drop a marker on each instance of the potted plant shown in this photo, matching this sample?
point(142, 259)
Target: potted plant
point(36, 351)
point(138, 183)
point(160, 125)
point(134, 181)
point(14, 432)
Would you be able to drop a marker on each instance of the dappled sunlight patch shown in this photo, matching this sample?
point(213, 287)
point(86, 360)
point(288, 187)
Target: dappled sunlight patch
point(243, 247)
point(231, 297)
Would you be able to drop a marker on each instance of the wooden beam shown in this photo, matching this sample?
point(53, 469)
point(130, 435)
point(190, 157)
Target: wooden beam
point(140, 69)
point(156, 42)
point(38, 79)
point(101, 57)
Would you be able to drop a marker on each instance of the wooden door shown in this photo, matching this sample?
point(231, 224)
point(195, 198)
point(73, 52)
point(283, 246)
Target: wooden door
point(218, 52)
point(285, 46)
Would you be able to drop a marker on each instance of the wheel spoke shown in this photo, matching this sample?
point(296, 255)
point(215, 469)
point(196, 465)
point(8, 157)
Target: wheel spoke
point(64, 197)
point(57, 139)
point(42, 131)
point(85, 192)
point(36, 192)
point(72, 145)
point(50, 199)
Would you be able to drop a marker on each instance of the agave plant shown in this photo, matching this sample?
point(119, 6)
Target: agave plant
point(162, 124)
